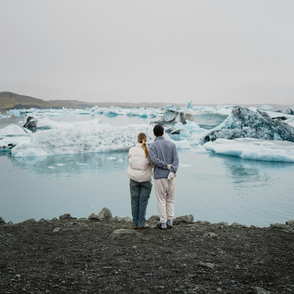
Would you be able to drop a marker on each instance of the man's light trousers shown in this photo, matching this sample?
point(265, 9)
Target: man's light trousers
point(165, 194)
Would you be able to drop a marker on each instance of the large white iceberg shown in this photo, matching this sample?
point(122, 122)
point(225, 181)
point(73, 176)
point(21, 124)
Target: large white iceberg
point(82, 139)
point(254, 149)
point(44, 123)
point(244, 123)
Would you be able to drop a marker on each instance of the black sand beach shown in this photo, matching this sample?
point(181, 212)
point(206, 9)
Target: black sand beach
point(106, 255)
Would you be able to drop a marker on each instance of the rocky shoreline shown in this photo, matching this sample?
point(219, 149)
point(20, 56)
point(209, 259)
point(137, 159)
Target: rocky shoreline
point(105, 254)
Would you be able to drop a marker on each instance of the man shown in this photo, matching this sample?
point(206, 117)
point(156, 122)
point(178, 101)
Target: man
point(164, 155)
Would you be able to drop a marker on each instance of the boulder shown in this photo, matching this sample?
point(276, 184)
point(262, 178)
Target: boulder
point(153, 219)
point(222, 224)
point(290, 223)
point(66, 216)
point(237, 226)
point(29, 221)
point(93, 216)
point(56, 230)
point(42, 220)
point(253, 227)
point(117, 219)
point(200, 222)
point(281, 227)
point(184, 219)
point(104, 214)
point(2, 222)
point(126, 219)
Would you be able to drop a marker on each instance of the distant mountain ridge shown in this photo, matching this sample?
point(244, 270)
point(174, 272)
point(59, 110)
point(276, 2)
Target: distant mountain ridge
point(9, 100)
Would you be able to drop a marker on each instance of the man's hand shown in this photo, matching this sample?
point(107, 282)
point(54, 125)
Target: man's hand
point(169, 167)
point(171, 176)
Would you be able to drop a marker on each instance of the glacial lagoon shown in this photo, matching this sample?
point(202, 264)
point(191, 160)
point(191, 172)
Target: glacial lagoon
point(212, 187)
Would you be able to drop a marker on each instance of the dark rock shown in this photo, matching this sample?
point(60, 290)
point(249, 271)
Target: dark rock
point(183, 219)
point(66, 216)
point(29, 221)
point(281, 227)
point(93, 216)
point(126, 219)
point(2, 221)
point(237, 225)
point(290, 223)
point(105, 214)
point(153, 219)
point(117, 219)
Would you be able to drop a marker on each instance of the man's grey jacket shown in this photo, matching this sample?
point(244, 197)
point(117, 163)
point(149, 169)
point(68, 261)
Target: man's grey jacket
point(162, 153)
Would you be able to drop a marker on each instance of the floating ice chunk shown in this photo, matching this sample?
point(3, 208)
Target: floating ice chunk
point(60, 164)
point(120, 161)
point(28, 150)
point(254, 149)
point(81, 163)
point(199, 149)
point(7, 143)
point(267, 108)
point(289, 110)
point(52, 167)
point(182, 144)
point(111, 158)
point(14, 130)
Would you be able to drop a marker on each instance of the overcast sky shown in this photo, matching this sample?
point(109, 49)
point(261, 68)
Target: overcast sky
point(169, 51)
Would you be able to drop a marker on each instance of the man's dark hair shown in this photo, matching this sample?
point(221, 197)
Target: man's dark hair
point(158, 130)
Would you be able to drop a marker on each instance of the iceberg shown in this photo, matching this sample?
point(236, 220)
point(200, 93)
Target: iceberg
point(44, 123)
point(254, 149)
point(206, 117)
point(82, 139)
point(7, 143)
point(244, 123)
point(289, 110)
point(14, 130)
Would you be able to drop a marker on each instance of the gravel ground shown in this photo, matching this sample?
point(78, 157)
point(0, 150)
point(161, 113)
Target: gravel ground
point(92, 256)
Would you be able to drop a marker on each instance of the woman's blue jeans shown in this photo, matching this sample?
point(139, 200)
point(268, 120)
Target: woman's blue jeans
point(140, 194)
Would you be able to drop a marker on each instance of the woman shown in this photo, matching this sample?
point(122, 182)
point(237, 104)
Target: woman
point(140, 173)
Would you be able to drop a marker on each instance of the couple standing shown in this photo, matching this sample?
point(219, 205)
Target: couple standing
point(163, 156)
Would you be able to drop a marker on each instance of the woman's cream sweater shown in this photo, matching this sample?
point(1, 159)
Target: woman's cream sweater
point(140, 167)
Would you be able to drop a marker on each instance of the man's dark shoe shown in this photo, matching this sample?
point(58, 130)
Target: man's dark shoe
point(169, 226)
point(160, 227)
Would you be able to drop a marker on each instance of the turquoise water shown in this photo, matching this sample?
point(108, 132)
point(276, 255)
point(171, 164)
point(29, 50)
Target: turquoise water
point(211, 187)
